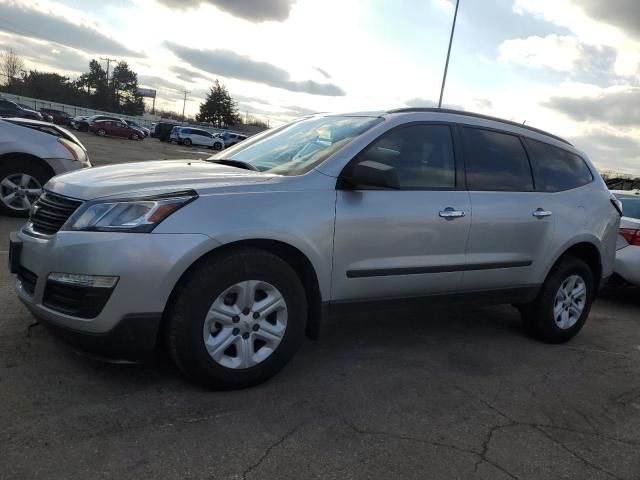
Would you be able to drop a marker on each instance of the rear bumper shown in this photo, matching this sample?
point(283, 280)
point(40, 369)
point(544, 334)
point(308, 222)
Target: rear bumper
point(627, 264)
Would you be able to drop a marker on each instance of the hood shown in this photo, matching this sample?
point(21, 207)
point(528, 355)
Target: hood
point(150, 178)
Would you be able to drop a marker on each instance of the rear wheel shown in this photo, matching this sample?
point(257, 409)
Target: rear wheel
point(563, 304)
point(237, 320)
point(21, 184)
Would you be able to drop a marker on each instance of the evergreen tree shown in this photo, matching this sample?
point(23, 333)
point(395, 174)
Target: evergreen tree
point(124, 91)
point(218, 108)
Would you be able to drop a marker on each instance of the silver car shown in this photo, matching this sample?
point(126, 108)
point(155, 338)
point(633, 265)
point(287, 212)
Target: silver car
point(228, 262)
point(627, 264)
point(31, 152)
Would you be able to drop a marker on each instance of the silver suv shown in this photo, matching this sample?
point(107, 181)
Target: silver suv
point(228, 262)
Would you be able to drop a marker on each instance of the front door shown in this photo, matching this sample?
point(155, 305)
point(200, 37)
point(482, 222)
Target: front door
point(406, 242)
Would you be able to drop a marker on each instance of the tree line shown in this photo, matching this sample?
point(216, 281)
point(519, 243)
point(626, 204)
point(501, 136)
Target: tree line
point(113, 91)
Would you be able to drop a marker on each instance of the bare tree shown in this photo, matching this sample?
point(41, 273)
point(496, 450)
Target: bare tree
point(11, 64)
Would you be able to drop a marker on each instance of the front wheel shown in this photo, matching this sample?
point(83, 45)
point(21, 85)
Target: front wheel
point(237, 320)
point(186, 142)
point(134, 136)
point(563, 304)
point(101, 132)
point(217, 146)
point(21, 184)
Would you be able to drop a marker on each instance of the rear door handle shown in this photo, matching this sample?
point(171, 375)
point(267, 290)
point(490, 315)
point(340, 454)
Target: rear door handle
point(451, 213)
point(541, 213)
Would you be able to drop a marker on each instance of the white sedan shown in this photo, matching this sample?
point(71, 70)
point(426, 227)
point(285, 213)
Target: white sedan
point(627, 263)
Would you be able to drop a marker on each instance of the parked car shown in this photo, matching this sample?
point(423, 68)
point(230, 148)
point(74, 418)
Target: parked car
point(83, 124)
point(236, 257)
point(59, 117)
point(145, 131)
point(31, 152)
point(78, 121)
point(231, 139)
point(195, 136)
point(12, 109)
point(115, 128)
point(162, 130)
point(627, 265)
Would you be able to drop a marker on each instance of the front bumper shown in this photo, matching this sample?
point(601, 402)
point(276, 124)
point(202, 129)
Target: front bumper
point(148, 267)
point(627, 264)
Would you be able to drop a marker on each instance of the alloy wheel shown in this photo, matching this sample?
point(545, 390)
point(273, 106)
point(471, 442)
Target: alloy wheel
point(18, 191)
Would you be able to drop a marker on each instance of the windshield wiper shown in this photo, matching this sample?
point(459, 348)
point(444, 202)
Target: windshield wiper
point(237, 164)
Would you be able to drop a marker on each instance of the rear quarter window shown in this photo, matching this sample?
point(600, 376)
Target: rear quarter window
point(556, 169)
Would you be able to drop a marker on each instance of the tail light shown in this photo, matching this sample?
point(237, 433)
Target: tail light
point(631, 235)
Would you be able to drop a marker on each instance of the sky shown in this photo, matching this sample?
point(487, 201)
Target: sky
point(571, 67)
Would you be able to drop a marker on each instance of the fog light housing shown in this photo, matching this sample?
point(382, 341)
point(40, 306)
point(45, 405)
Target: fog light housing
point(81, 280)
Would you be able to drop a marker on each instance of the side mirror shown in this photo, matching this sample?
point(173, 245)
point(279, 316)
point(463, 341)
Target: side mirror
point(374, 174)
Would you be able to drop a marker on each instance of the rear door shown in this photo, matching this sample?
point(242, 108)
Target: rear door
point(512, 225)
point(406, 242)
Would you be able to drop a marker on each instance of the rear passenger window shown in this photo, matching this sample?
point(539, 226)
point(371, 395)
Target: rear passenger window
point(556, 169)
point(422, 156)
point(495, 161)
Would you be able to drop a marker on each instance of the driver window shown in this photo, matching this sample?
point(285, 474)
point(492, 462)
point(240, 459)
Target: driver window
point(422, 156)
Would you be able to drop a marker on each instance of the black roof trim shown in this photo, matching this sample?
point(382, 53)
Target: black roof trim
point(477, 115)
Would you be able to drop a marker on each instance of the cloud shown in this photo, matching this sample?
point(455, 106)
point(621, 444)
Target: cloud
point(251, 10)
point(624, 14)
point(40, 54)
point(561, 53)
point(154, 82)
point(188, 75)
point(322, 72)
point(419, 102)
point(615, 152)
point(18, 18)
point(615, 106)
point(232, 65)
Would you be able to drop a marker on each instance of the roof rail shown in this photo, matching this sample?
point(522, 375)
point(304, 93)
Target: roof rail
point(477, 115)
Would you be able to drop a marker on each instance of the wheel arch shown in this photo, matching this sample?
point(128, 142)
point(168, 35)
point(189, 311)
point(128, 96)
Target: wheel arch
point(589, 253)
point(287, 252)
point(28, 158)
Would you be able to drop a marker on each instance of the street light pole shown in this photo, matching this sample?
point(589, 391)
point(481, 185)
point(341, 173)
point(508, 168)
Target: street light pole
point(184, 103)
point(446, 65)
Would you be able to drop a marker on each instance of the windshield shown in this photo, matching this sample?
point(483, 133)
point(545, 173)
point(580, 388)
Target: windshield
point(296, 148)
point(631, 207)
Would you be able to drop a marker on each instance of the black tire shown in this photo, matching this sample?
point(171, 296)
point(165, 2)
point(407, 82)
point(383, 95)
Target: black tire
point(30, 167)
point(217, 146)
point(101, 132)
point(134, 136)
point(194, 297)
point(186, 142)
point(537, 316)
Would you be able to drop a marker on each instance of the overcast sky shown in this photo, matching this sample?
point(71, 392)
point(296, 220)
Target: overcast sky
point(568, 66)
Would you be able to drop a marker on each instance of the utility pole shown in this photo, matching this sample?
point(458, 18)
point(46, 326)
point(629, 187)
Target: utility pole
point(446, 65)
point(108, 60)
point(184, 103)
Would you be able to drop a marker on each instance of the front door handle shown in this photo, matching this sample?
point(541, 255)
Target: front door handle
point(541, 213)
point(451, 213)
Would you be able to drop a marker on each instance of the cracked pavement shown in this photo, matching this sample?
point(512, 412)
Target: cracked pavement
point(450, 393)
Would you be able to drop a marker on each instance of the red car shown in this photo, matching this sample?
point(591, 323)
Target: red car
point(59, 117)
point(115, 128)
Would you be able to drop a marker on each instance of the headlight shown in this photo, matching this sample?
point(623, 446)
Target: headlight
point(74, 149)
point(128, 215)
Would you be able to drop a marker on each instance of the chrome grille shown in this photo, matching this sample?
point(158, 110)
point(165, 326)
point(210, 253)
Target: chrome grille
point(51, 211)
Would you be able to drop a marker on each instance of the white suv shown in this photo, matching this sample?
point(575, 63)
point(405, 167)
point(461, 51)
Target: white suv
point(195, 136)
